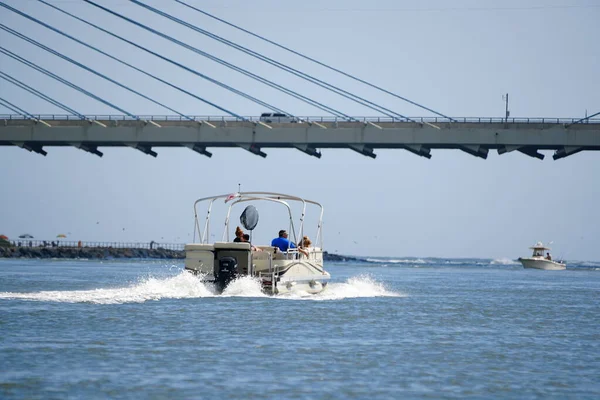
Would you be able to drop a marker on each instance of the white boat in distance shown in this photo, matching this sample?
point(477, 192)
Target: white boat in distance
point(539, 261)
point(278, 271)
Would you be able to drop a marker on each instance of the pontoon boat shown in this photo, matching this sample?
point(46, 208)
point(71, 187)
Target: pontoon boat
point(278, 271)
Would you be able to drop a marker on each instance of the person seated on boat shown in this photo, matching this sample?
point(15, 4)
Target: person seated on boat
point(239, 233)
point(282, 241)
point(304, 245)
point(246, 238)
point(548, 256)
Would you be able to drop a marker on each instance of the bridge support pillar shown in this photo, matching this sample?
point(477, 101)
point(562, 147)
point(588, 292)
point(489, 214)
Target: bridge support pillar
point(477, 151)
point(36, 148)
point(89, 148)
point(311, 151)
point(199, 149)
point(146, 149)
point(566, 151)
point(364, 150)
point(253, 148)
point(419, 150)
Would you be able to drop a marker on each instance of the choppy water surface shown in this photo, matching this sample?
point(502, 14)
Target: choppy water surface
point(384, 328)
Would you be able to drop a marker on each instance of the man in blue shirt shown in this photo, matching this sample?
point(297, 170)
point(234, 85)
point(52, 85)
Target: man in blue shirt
point(282, 241)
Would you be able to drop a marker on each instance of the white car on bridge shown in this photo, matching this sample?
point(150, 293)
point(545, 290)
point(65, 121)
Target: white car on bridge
point(279, 118)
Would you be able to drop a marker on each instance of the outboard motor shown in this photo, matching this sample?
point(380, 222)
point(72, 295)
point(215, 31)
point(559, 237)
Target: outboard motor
point(225, 271)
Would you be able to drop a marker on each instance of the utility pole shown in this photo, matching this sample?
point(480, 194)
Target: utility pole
point(507, 113)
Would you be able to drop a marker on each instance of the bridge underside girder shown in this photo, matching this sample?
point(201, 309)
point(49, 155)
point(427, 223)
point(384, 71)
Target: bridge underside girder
point(531, 151)
point(144, 148)
point(419, 150)
point(308, 149)
point(32, 146)
point(364, 150)
point(93, 149)
point(199, 149)
point(566, 151)
point(477, 151)
point(253, 148)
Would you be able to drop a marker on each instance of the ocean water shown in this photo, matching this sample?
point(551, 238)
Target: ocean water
point(383, 329)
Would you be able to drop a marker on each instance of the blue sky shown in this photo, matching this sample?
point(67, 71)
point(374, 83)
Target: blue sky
point(458, 60)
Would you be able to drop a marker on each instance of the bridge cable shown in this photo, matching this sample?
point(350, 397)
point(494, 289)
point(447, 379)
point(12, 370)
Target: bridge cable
point(293, 71)
point(39, 94)
point(114, 58)
point(316, 61)
point(216, 82)
point(236, 68)
point(56, 53)
point(65, 82)
point(24, 113)
point(582, 119)
point(14, 108)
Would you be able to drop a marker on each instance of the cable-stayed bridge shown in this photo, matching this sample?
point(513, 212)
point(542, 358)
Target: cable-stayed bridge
point(388, 129)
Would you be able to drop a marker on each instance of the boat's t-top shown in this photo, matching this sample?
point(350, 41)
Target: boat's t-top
point(539, 249)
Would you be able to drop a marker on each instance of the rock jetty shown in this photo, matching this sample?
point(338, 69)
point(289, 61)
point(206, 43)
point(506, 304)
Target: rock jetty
point(104, 253)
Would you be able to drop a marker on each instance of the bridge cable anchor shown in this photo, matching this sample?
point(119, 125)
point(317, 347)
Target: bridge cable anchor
point(263, 124)
point(201, 122)
point(149, 121)
point(311, 123)
point(373, 124)
point(93, 121)
point(431, 125)
point(42, 122)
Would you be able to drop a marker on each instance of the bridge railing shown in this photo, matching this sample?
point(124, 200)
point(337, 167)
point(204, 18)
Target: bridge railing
point(223, 119)
point(114, 245)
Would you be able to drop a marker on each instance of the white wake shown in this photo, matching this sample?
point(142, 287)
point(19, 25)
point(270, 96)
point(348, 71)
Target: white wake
point(504, 261)
point(188, 286)
point(359, 286)
point(396, 261)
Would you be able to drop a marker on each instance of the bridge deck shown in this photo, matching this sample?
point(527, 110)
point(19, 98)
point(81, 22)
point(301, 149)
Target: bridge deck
point(475, 136)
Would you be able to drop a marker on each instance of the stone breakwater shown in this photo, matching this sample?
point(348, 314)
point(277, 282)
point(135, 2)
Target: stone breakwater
point(104, 253)
point(89, 252)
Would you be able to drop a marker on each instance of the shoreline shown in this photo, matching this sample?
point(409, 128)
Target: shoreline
point(107, 253)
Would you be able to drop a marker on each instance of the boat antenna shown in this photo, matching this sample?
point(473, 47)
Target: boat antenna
point(563, 254)
point(239, 187)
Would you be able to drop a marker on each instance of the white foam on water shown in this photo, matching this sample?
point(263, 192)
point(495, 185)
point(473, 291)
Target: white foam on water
point(181, 286)
point(244, 286)
point(504, 261)
point(188, 286)
point(354, 287)
point(396, 261)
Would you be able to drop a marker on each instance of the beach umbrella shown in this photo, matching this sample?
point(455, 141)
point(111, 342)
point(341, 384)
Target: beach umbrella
point(61, 235)
point(25, 236)
point(3, 237)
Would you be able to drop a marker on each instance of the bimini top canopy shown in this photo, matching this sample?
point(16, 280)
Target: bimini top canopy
point(239, 197)
point(539, 246)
